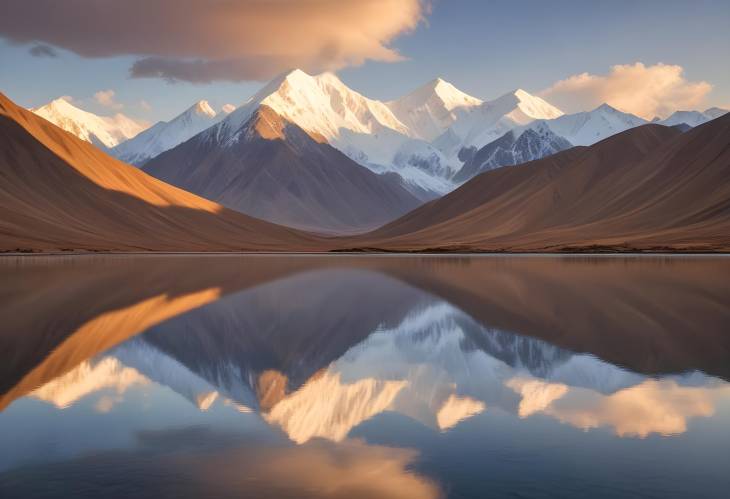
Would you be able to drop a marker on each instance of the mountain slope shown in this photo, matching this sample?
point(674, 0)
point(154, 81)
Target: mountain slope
point(492, 119)
point(102, 131)
point(513, 148)
point(648, 187)
point(276, 171)
point(59, 192)
point(165, 135)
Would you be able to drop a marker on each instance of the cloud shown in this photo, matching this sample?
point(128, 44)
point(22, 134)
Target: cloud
point(41, 50)
point(646, 91)
point(205, 40)
point(144, 105)
point(654, 406)
point(106, 99)
point(228, 108)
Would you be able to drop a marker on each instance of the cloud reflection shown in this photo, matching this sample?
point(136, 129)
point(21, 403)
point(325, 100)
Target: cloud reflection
point(197, 461)
point(654, 406)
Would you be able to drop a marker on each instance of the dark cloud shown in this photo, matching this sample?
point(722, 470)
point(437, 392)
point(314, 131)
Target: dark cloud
point(205, 40)
point(43, 51)
point(203, 71)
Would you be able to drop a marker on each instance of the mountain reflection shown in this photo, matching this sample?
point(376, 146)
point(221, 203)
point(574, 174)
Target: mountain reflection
point(314, 348)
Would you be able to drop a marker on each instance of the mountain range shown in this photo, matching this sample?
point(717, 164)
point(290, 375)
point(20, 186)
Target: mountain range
point(422, 136)
point(436, 169)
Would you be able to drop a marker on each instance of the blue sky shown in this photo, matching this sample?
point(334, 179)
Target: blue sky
point(485, 48)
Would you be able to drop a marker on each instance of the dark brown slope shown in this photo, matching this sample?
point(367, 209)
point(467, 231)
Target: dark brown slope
point(58, 192)
point(278, 172)
point(651, 187)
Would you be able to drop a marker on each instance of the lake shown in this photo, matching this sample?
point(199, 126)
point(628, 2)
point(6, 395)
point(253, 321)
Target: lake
point(364, 376)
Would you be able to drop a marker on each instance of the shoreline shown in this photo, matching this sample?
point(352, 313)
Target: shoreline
point(382, 253)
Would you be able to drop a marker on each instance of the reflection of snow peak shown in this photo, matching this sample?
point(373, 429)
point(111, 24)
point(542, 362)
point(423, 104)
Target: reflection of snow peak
point(536, 394)
point(456, 409)
point(325, 407)
point(132, 363)
point(440, 367)
point(88, 377)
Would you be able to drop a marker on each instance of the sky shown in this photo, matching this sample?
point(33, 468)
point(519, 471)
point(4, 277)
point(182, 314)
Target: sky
point(151, 59)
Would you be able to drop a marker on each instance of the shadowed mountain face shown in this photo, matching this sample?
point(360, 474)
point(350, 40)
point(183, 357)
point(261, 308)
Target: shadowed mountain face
point(651, 187)
point(512, 148)
point(59, 192)
point(276, 171)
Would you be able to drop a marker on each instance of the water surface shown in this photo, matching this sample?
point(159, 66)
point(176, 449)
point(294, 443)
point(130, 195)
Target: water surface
point(364, 376)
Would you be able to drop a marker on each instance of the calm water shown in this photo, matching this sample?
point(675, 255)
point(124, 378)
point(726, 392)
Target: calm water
point(361, 377)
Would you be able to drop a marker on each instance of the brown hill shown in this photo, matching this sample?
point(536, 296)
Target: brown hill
point(648, 188)
point(276, 171)
point(58, 192)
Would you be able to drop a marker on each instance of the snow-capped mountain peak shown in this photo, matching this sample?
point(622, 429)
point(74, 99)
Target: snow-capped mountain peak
point(60, 105)
point(715, 112)
point(443, 91)
point(693, 118)
point(102, 131)
point(430, 109)
point(202, 107)
point(534, 107)
point(319, 104)
point(201, 110)
point(366, 130)
point(588, 127)
point(165, 135)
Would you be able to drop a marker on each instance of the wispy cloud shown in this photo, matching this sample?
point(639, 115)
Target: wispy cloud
point(106, 99)
point(646, 91)
point(206, 40)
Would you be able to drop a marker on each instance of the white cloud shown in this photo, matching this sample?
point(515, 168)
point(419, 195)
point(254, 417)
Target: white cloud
point(646, 91)
point(228, 108)
point(106, 99)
